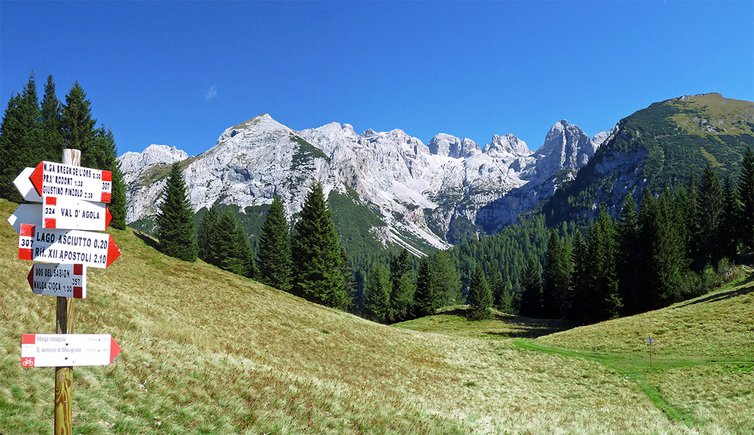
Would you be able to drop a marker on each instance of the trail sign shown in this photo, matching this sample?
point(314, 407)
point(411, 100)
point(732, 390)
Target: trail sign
point(74, 214)
point(24, 186)
point(50, 178)
point(63, 280)
point(66, 246)
point(26, 214)
point(62, 213)
point(67, 350)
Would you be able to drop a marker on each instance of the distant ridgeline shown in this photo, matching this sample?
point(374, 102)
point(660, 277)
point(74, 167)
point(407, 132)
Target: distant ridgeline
point(657, 148)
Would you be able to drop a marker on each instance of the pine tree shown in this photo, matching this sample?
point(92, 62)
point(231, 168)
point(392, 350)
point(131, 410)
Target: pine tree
point(603, 248)
point(316, 253)
point(728, 231)
point(402, 293)
point(688, 200)
point(628, 258)
point(480, 296)
point(579, 279)
point(233, 251)
point(556, 278)
point(207, 236)
point(275, 248)
point(710, 216)
point(426, 299)
point(52, 129)
point(531, 289)
point(175, 220)
point(78, 126)
point(447, 278)
point(349, 279)
point(377, 294)
point(21, 142)
point(745, 192)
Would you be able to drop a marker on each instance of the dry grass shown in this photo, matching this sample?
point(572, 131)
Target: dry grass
point(205, 351)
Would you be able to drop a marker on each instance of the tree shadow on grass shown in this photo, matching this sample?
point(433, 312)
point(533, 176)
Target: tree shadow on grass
point(519, 326)
point(715, 297)
point(152, 243)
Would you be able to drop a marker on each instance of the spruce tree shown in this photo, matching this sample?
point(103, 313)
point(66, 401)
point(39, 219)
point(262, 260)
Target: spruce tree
point(579, 279)
point(21, 142)
point(275, 248)
point(349, 282)
point(447, 278)
point(316, 253)
point(52, 128)
point(377, 294)
point(628, 257)
point(480, 296)
point(175, 220)
point(710, 216)
point(728, 231)
point(426, 298)
point(402, 293)
point(556, 278)
point(206, 239)
point(232, 249)
point(602, 249)
point(689, 201)
point(745, 192)
point(78, 125)
point(531, 289)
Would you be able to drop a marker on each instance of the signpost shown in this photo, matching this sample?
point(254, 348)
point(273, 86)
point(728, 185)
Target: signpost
point(73, 181)
point(650, 342)
point(58, 233)
point(66, 246)
point(65, 213)
point(54, 350)
point(64, 280)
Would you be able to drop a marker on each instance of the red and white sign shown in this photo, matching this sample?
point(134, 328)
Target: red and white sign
point(63, 280)
point(24, 186)
point(67, 350)
point(26, 214)
point(74, 214)
point(57, 179)
point(66, 246)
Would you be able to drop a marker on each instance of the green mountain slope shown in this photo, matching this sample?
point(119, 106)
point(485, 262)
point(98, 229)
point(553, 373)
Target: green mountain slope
point(656, 148)
point(208, 351)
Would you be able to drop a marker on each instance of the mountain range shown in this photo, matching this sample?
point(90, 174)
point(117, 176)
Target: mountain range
point(389, 188)
point(415, 195)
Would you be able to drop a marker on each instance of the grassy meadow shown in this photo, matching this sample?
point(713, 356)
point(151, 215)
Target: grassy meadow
point(206, 351)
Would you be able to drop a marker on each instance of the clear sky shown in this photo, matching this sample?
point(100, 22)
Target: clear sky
point(179, 73)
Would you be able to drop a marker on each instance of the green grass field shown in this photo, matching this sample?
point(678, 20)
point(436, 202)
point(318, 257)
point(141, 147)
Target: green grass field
point(205, 351)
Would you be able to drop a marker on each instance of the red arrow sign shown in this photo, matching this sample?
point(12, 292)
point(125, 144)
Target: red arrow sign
point(62, 280)
point(50, 178)
point(74, 214)
point(61, 246)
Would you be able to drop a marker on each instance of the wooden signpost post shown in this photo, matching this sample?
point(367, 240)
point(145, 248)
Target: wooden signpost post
point(57, 235)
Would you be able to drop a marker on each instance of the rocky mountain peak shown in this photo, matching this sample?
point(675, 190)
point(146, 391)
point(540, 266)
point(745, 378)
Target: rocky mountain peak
point(566, 146)
point(447, 145)
point(507, 144)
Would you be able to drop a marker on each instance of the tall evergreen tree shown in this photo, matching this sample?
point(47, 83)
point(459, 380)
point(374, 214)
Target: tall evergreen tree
point(531, 289)
point(690, 231)
point(427, 298)
point(628, 259)
point(745, 191)
point(447, 278)
point(78, 126)
point(206, 238)
point(349, 281)
point(232, 249)
point(402, 293)
point(275, 248)
point(316, 253)
point(175, 220)
point(480, 296)
point(556, 278)
point(579, 279)
point(729, 220)
point(52, 129)
point(710, 216)
point(377, 294)
point(20, 138)
point(603, 249)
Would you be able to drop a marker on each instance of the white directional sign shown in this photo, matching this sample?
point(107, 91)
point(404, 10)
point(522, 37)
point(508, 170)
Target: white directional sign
point(24, 186)
point(66, 246)
point(64, 280)
point(26, 214)
point(67, 350)
point(74, 214)
point(57, 179)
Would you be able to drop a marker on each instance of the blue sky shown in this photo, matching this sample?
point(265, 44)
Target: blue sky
point(179, 73)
